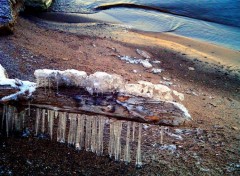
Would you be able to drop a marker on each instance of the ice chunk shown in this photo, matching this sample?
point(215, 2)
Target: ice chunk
point(55, 78)
point(143, 53)
point(3, 73)
point(145, 63)
point(101, 82)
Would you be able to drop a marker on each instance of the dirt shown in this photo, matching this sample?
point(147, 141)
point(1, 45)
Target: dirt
point(212, 96)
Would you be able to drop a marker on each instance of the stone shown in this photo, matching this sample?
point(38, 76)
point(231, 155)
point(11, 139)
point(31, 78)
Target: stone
point(38, 4)
point(9, 10)
point(144, 54)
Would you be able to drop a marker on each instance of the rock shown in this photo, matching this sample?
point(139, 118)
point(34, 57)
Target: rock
point(144, 54)
point(235, 128)
point(191, 68)
point(9, 10)
point(38, 4)
point(156, 70)
point(156, 62)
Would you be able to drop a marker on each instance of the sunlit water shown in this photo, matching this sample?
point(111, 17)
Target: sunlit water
point(216, 21)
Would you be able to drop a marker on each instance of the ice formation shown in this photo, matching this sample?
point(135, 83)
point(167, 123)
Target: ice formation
point(154, 91)
point(24, 87)
point(56, 78)
point(12, 120)
point(102, 82)
point(84, 132)
point(145, 63)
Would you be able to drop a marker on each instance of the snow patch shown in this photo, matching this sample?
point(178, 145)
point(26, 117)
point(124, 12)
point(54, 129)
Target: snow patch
point(131, 60)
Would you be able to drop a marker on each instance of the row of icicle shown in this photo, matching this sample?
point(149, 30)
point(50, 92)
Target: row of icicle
point(82, 131)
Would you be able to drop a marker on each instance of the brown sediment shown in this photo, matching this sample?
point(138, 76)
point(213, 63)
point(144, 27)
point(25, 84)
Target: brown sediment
point(212, 96)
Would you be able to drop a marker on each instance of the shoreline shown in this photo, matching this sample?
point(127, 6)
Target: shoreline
point(226, 59)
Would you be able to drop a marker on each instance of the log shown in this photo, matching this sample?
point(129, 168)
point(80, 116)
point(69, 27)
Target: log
point(113, 105)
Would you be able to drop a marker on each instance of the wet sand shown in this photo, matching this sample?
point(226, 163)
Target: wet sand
point(212, 96)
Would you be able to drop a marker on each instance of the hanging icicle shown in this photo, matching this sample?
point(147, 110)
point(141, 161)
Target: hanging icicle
point(88, 133)
point(138, 156)
point(94, 134)
point(127, 157)
point(50, 122)
point(101, 124)
point(61, 127)
point(38, 112)
point(43, 120)
point(133, 131)
point(117, 137)
point(72, 129)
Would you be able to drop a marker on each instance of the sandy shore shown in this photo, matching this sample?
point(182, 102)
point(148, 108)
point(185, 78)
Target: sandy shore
point(212, 90)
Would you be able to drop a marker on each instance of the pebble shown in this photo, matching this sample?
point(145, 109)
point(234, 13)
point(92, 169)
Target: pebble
point(191, 68)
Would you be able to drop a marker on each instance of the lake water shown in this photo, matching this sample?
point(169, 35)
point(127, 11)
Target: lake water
point(215, 21)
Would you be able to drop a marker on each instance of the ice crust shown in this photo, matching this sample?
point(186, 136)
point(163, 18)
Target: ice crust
point(102, 82)
point(25, 87)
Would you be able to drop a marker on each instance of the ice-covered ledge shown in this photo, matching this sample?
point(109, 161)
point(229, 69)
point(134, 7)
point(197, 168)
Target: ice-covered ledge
point(100, 93)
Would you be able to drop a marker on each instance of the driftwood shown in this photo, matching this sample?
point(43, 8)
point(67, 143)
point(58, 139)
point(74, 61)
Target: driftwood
point(113, 105)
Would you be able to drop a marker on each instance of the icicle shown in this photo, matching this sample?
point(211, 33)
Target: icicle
point(80, 132)
point(23, 119)
point(43, 120)
point(72, 129)
point(101, 123)
point(50, 122)
point(117, 136)
point(7, 120)
point(55, 114)
point(138, 156)
point(133, 131)
point(127, 157)
point(4, 114)
point(29, 108)
point(111, 138)
point(12, 118)
point(37, 121)
point(88, 133)
point(61, 127)
point(94, 134)
point(161, 135)
point(17, 122)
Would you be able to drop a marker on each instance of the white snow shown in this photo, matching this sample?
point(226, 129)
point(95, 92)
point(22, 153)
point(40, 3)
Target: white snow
point(101, 82)
point(184, 109)
point(3, 74)
point(71, 77)
point(25, 87)
point(150, 90)
point(156, 70)
point(131, 60)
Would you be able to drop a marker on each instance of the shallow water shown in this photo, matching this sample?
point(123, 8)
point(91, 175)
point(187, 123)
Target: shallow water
point(217, 22)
